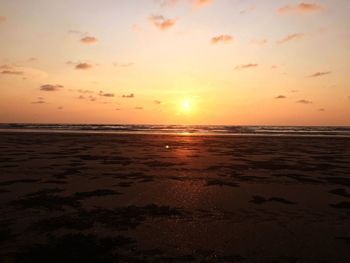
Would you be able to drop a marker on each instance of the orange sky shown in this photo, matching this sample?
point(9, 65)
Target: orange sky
point(271, 62)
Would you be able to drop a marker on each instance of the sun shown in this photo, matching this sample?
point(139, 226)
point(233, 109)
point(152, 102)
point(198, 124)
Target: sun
point(186, 105)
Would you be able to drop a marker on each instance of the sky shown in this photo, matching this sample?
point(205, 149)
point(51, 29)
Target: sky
point(230, 62)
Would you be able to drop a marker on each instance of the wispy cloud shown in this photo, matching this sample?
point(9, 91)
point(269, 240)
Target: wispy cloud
point(161, 22)
point(129, 96)
point(32, 59)
point(5, 67)
point(319, 74)
point(85, 97)
point(195, 3)
point(300, 8)
point(259, 42)
point(84, 91)
point(201, 3)
point(17, 70)
point(12, 72)
point(89, 40)
point(38, 102)
point(291, 37)
point(138, 108)
point(50, 87)
point(248, 10)
point(303, 101)
point(2, 19)
point(281, 97)
point(158, 102)
point(74, 32)
point(222, 39)
point(136, 28)
point(246, 66)
point(101, 93)
point(322, 109)
point(83, 66)
point(167, 3)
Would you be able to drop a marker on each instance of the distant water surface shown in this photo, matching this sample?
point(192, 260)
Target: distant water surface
point(183, 129)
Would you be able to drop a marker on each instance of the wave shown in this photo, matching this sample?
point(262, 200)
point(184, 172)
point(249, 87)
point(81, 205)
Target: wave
point(183, 129)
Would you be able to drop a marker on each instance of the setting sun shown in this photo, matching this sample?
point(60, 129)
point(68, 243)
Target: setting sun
point(186, 105)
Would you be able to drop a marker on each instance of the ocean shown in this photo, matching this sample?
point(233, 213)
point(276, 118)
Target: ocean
point(331, 131)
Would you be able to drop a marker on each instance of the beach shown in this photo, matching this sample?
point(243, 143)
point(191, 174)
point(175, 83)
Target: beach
point(85, 197)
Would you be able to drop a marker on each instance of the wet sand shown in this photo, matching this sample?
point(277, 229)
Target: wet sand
point(130, 198)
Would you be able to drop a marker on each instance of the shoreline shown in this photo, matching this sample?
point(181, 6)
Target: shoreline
point(196, 134)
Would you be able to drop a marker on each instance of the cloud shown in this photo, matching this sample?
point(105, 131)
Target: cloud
point(117, 109)
point(304, 101)
point(28, 72)
point(138, 108)
point(89, 40)
point(90, 97)
point(319, 74)
point(246, 66)
point(40, 100)
point(321, 109)
point(248, 10)
point(2, 19)
point(259, 42)
point(201, 3)
point(136, 28)
point(161, 22)
point(157, 102)
point(32, 59)
point(167, 3)
point(222, 39)
point(83, 66)
point(101, 93)
point(195, 3)
point(300, 8)
point(291, 37)
point(281, 97)
point(129, 96)
point(50, 87)
point(5, 67)
point(83, 91)
point(12, 72)
point(31, 73)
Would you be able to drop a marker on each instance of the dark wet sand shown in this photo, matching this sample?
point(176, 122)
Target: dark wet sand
point(127, 198)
